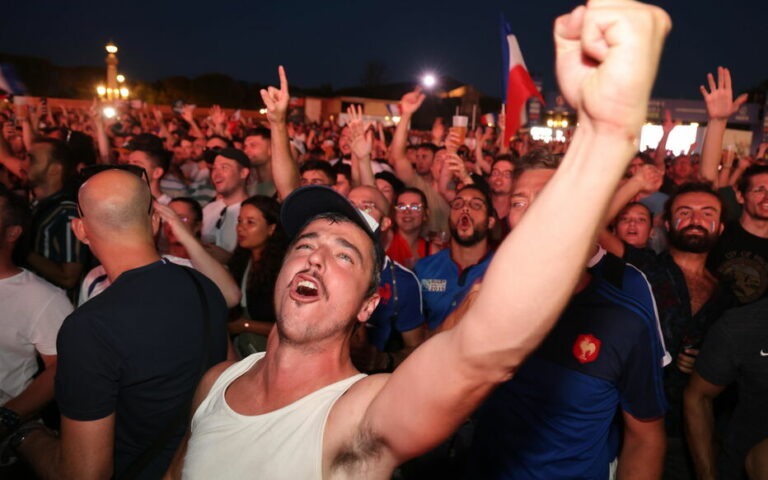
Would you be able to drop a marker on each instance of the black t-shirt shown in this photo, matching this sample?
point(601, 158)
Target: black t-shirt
point(741, 260)
point(736, 350)
point(137, 350)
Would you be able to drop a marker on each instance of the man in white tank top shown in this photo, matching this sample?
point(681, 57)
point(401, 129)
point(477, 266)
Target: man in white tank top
point(301, 410)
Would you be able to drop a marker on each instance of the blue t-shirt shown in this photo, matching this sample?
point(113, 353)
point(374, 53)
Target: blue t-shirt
point(400, 304)
point(556, 419)
point(444, 286)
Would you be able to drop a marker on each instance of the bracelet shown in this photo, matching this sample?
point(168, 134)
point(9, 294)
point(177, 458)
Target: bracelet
point(9, 418)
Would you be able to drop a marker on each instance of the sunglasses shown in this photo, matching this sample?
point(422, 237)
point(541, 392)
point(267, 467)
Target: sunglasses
point(87, 172)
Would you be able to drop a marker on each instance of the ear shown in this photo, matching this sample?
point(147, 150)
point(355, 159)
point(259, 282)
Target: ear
point(54, 169)
point(739, 196)
point(13, 233)
point(78, 228)
point(385, 224)
point(722, 227)
point(491, 222)
point(271, 229)
point(369, 305)
point(157, 173)
point(244, 172)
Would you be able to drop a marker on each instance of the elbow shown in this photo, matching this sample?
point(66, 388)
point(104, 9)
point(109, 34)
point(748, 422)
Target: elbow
point(232, 297)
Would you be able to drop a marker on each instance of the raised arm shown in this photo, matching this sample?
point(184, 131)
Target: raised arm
point(285, 172)
point(445, 379)
point(661, 148)
point(720, 106)
point(410, 102)
point(361, 142)
point(200, 258)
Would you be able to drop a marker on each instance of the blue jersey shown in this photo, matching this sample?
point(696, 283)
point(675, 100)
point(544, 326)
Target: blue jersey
point(400, 304)
point(557, 417)
point(444, 286)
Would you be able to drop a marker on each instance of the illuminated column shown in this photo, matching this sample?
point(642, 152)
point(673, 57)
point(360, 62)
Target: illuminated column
point(113, 89)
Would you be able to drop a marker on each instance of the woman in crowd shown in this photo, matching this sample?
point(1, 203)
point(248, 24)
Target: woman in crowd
point(255, 265)
point(411, 212)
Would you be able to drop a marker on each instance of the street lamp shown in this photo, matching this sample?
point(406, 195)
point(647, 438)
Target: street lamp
point(428, 80)
point(115, 88)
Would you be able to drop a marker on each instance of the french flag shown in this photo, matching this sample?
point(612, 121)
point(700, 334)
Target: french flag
point(518, 85)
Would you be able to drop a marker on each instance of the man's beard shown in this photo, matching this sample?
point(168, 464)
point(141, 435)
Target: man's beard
point(693, 243)
point(478, 235)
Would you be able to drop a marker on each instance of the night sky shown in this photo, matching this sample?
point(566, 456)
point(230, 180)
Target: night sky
point(331, 42)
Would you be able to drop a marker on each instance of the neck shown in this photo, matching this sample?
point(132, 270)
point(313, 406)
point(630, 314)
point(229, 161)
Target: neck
point(264, 172)
point(411, 237)
point(755, 226)
point(7, 267)
point(468, 256)
point(46, 190)
point(695, 263)
point(154, 189)
point(234, 197)
point(178, 250)
point(117, 258)
point(256, 254)
point(500, 204)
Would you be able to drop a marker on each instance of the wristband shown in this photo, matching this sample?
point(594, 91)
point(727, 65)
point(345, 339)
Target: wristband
point(9, 418)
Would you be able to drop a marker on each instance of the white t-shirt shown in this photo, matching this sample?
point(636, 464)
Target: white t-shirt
point(225, 235)
point(32, 312)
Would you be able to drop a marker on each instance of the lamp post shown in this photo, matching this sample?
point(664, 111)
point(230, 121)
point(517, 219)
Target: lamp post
point(115, 88)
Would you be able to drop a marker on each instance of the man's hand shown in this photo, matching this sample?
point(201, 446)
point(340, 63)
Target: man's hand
point(649, 177)
point(668, 124)
point(276, 100)
point(719, 99)
point(186, 113)
point(686, 360)
point(411, 101)
point(607, 56)
point(360, 136)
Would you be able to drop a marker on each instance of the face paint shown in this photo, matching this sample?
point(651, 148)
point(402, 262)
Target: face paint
point(677, 223)
point(712, 226)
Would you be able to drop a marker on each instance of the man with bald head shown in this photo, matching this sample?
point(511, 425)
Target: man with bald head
point(130, 358)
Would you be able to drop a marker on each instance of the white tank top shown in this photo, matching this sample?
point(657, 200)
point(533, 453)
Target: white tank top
point(283, 444)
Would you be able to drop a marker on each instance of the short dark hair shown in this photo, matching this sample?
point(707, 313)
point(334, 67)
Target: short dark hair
point(746, 177)
point(693, 187)
point(537, 159)
point(418, 192)
point(193, 204)
point(60, 153)
point(428, 146)
point(342, 168)
point(263, 132)
point(14, 211)
point(484, 193)
point(321, 165)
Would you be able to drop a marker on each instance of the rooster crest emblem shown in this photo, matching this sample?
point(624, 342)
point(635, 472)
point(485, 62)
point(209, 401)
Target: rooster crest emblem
point(586, 348)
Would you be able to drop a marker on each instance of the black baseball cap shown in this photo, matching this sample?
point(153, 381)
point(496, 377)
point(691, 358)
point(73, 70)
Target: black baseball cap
point(231, 153)
point(306, 203)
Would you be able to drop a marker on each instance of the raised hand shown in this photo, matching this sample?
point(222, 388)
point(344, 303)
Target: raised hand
point(719, 98)
point(649, 177)
point(360, 135)
point(411, 101)
point(186, 113)
point(668, 125)
point(276, 100)
point(218, 117)
point(438, 131)
point(607, 57)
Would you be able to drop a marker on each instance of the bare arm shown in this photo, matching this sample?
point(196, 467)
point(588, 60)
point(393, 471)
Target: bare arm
point(37, 393)
point(361, 142)
point(200, 258)
point(84, 450)
point(486, 348)
point(642, 452)
point(699, 424)
point(285, 172)
point(409, 104)
point(100, 132)
point(720, 106)
point(661, 148)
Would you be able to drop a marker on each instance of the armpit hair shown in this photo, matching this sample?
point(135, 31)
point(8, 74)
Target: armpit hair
point(365, 448)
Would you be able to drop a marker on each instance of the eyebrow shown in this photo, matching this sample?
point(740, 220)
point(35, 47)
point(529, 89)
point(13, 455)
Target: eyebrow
point(339, 240)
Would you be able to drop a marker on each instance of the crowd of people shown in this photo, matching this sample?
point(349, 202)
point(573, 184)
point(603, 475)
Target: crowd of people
point(199, 296)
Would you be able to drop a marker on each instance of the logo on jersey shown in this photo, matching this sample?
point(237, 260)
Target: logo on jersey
point(586, 348)
point(385, 292)
point(434, 284)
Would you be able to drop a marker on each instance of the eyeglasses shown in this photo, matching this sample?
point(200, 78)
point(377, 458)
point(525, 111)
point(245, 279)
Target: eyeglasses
point(499, 173)
point(87, 172)
point(761, 190)
point(414, 207)
point(474, 203)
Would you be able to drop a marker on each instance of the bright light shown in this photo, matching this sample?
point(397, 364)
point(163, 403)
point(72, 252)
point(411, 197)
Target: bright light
point(428, 80)
point(680, 138)
point(124, 92)
point(550, 123)
point(396, 119)
point(120, 78)
point(101, 90)
point(111, 48)
point(109, 112)
point(263, 111)
point(564, 123)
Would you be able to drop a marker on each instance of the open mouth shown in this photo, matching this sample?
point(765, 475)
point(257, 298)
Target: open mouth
point(306, 288)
